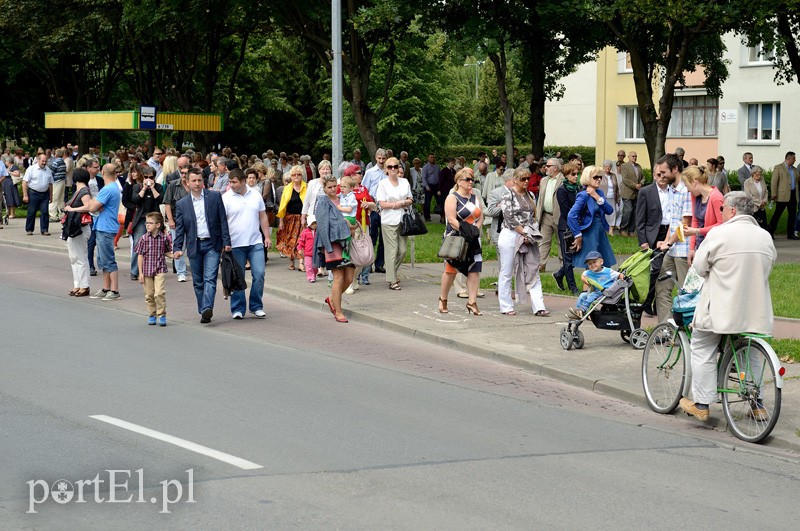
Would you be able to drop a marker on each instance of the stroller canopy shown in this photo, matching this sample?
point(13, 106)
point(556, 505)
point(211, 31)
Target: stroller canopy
point(637, 269)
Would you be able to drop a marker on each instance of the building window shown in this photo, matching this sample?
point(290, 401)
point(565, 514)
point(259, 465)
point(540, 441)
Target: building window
point(763, 121)
point(632, 127)
point(760, 55)
point(624, 63)
point(694, 116)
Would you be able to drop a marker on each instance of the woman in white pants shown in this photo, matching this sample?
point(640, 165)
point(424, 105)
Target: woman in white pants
point(77, 246)
point(518, 206)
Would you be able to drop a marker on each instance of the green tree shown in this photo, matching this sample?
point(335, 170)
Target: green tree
point(775, 25)
point(665, 40)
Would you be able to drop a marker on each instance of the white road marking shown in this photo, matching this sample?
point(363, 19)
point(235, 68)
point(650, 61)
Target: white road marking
point(183, 443)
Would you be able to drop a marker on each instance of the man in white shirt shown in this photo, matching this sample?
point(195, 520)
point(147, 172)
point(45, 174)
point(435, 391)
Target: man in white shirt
point(246, 214)
point(37, 193)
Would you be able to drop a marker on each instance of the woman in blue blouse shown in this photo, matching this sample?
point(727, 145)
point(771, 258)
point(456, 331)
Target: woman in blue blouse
point(587, 219)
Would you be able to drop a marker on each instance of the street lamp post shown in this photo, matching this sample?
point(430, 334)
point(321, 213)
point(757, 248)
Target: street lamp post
point(336, 106)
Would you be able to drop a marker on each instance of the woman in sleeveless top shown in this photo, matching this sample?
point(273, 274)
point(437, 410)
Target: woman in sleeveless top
point(463, 205)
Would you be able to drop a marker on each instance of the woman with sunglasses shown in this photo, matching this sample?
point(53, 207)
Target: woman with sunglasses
point(393, 196)
point(463, 206)
point(518, 247)
point(587, 219)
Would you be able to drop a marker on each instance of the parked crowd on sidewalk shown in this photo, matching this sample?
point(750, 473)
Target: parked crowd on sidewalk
point(224, 202)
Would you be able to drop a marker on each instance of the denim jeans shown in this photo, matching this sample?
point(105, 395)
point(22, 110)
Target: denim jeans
point(205, 268)
point(38, 201)
point(106, 260)
point(566, 271)
point(180, 263)
point(255, 255)
point(90, 245)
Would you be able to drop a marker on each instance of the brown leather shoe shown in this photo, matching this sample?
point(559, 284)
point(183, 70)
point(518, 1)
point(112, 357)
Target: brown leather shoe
point(83, 292)
point(691, 409)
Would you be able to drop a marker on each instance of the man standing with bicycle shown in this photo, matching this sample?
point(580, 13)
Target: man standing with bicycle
point(735, 260)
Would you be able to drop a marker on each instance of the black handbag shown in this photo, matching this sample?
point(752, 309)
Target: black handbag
point(413, 224)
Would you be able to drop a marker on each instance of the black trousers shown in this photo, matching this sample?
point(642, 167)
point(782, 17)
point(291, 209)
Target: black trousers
point(780, 206)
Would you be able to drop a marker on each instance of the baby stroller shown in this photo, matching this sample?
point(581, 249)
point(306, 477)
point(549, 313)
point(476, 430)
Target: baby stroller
point(619, 307)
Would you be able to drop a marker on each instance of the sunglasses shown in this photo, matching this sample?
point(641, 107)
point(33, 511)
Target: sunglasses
point(524, 179)
point(722, 208)
point(468, 180)
point(392, 166)
point(598, 178)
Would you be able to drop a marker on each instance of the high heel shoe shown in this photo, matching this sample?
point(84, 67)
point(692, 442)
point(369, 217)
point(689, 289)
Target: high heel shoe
point(443, 305)
point(472, 308)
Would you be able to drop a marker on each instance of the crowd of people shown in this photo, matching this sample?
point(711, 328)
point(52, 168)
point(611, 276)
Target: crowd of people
point(221, 202)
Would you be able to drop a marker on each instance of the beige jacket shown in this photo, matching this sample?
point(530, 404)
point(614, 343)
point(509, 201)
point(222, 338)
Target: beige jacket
point(735, 259)
point(631, 176)
point(751, 190)
point(540, 200)
point(782, 183)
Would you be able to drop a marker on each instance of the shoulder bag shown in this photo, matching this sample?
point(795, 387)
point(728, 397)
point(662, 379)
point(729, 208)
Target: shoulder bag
point(454, 247)
point(362, 252)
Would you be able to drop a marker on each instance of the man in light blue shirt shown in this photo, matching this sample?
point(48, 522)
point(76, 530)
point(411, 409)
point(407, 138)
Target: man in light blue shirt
point(37, 192)
point(106, 204)
point(371, 180)
point(679, 213)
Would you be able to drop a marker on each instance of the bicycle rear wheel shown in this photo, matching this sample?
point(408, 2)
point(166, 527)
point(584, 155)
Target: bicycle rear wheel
point(751, 399)
point(664, 368)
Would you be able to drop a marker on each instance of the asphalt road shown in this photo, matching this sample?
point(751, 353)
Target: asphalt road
point(330, 426)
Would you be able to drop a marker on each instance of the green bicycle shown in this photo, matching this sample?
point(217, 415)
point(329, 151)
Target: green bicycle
point(750, 376)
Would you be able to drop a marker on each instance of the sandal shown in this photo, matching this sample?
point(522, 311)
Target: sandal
point(394, 286)
point(292, 267)
point(341, 319)
point(443, 305)
point(542, 313)
point(510, 312)
point(330, 305)
point(73, 291)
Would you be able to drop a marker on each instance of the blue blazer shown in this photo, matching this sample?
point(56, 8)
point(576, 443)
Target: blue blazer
point(186, 223)
point(581, 214)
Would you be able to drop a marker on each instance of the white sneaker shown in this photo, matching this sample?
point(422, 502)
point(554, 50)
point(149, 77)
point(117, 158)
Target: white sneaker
point(355, 286)
point(237, 315)
point(181, 278)
point(349, 290)
point(259, 314)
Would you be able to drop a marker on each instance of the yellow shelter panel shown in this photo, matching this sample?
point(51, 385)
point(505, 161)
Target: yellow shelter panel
point(179, 121)
point(119, 120)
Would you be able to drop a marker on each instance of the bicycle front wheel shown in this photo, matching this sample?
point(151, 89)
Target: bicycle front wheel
point(664, 368)
point(751, 399)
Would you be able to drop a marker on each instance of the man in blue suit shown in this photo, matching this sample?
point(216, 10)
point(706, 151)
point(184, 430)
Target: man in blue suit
point(201, 223)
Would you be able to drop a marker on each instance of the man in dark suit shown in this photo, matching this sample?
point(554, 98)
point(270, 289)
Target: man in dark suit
point(652, 227)
point(746, 171)
point(201, 222)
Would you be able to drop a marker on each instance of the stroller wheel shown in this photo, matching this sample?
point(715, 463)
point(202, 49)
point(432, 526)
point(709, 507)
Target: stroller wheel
point(566, 339)
point(639, 338)
point(625, 335)
point(578, 339)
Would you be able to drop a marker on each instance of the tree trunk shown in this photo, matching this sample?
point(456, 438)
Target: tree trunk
point(501, 71)
point(788, 36)
point(537, 69)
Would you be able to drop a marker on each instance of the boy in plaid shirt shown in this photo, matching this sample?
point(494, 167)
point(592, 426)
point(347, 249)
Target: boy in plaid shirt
point(153, 248)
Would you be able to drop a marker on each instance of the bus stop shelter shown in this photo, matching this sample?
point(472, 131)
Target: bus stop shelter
point(145, 119)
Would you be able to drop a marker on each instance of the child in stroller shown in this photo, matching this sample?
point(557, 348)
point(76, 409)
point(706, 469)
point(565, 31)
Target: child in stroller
point(595, 279)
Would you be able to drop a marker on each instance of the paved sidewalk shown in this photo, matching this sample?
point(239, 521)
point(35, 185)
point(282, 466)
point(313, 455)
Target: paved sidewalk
point(606, 364)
